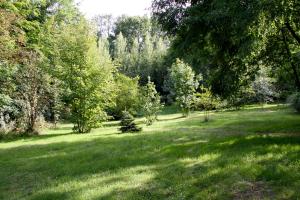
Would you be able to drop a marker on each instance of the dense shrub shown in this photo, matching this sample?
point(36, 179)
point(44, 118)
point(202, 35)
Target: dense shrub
point(127, 96)
point(244, 96)
point(205, 101)
point(294, 101)
point(127, 123)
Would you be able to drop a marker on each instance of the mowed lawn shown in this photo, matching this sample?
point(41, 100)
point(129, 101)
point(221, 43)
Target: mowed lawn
point(253, 153)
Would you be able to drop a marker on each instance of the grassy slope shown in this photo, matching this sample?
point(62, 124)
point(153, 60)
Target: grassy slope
point(248, 154)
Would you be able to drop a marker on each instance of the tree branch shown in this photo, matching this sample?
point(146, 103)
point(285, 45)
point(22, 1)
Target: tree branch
point(292, 31)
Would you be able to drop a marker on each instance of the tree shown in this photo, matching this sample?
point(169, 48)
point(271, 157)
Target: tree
point(206, 102)
point(9, 103)
point(134, 59)
point(145, 48)
point(146, 58)
point(120, 53)
point(233, 39)
point(132, 28)
point(49, 55)
point(87, 76)
point(183, 85)
point(294, 101)
point(151, 102)
point(25, 55)
point(159, 62)
point(127, 123)
point(31, 88)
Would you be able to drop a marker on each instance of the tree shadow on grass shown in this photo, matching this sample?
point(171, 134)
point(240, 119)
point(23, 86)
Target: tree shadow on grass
point(50, 196)
point(33, 138)
point(185, 163)
point(200, 168)
point(228, 174)
point(65, 128)
point(267, 126)
point(170, 119)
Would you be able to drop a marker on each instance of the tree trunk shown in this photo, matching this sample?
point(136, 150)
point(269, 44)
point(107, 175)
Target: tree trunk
point(2, 122)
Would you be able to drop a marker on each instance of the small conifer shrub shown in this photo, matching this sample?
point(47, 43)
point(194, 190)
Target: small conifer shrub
point(127, 123)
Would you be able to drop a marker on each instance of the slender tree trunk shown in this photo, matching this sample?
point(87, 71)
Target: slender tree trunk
point(33, 104)
point(2, 121)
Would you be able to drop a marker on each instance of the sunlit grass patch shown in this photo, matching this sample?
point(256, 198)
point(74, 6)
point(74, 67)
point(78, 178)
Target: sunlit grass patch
point(246, 154)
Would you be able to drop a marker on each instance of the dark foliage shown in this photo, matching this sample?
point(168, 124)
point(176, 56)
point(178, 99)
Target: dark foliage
point(294, 100)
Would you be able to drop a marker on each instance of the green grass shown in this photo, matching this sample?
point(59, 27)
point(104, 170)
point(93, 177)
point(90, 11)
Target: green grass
point(246, 154)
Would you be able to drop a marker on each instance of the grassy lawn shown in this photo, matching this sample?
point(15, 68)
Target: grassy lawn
point(246, 154)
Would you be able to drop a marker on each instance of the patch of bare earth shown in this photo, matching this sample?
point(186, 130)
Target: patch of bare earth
point(252, 191)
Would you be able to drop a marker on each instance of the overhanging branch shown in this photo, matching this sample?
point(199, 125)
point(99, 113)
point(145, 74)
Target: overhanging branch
point(292, 31)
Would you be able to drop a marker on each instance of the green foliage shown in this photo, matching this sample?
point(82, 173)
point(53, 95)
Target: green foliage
point(32, 86)
point(229, 52)
point(139, 47)
point(10, 34)
point(127, 123)
point(132, 28)
point(294, 101)
point(120, 49)
point(150, 102)
point(206, 101)
point(183, 84)
point(87, 75)
point(223, 54)
point(28, 59)
point(127, 95)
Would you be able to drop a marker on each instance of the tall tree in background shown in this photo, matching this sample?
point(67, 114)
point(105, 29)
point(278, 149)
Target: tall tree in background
point(135, 59)
point(132, 28)
point(120, 54)
point(145, 49)
point(146, 58)
point(159, 62)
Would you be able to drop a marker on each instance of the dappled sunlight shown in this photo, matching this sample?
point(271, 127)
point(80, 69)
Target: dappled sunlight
point(190, 162)
point(100, 185)
point(183, 101)
point(182, 157)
